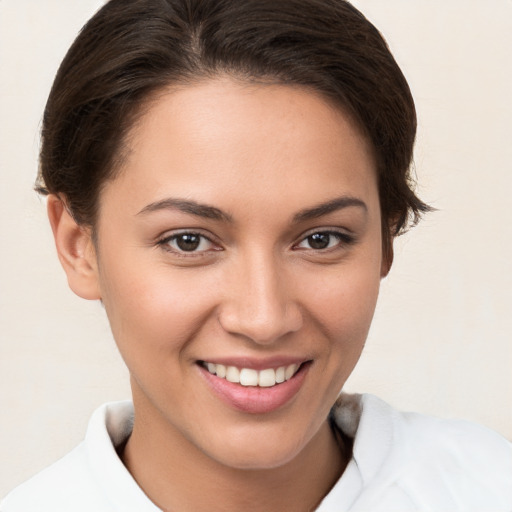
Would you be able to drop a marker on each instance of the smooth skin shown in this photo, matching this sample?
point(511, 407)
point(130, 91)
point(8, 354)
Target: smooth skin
point(245, 222)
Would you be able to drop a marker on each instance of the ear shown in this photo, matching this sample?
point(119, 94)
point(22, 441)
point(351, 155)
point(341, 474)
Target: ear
point(75, 249)
point(387, 255)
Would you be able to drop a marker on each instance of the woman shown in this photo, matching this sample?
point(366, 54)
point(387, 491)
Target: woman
point(227, 178)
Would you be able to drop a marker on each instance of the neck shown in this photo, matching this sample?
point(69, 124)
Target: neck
point(176, 475)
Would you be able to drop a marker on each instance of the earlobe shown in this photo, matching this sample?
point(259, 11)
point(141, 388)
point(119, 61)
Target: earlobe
point(387, 257)
point(75, 249)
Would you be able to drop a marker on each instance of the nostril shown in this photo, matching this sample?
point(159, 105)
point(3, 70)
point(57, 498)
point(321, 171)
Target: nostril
point(259, 304)
point(262, 327)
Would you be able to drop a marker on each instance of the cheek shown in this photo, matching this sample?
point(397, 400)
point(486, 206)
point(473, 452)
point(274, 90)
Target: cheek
point(342, 307)
point(345, 299)
point(155, 308)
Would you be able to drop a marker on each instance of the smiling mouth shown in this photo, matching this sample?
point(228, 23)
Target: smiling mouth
point(266, 378)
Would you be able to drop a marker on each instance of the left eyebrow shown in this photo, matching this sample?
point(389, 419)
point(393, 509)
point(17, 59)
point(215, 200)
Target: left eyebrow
point(190, 207)
point(331, 206)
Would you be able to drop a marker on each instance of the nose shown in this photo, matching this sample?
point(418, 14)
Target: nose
point(259, 303)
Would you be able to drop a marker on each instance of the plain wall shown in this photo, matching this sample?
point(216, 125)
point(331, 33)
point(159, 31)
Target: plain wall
point(440, 343)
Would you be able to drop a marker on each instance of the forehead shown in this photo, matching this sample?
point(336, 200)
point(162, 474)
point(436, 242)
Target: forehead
point(221, 138)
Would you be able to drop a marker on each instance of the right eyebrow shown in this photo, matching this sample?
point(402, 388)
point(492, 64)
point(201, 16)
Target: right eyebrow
point(186, 206)
point(331, 206)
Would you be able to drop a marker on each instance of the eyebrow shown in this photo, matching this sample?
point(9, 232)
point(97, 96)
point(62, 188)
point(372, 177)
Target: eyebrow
point(331, 206)
point(211, 212)
point(186, 206)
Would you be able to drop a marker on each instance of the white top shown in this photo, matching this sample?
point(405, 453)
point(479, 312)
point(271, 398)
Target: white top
point(401, 462)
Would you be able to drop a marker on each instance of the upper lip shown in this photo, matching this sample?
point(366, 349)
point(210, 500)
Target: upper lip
point(257, 363)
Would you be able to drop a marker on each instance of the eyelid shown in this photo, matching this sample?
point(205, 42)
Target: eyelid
point(164, 240)
point(345, 237)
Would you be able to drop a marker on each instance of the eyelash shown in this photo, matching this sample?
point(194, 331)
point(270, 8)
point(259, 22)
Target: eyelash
point(343, 240)
point(166, 241)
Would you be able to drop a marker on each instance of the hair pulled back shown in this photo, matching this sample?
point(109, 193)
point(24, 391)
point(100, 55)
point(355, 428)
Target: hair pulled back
point(132, 48)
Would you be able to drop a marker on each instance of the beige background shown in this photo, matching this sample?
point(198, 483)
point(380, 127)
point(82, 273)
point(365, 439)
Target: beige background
point(440, 343)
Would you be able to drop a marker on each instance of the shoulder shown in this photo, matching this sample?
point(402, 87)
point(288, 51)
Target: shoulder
point(90, 477)
point(469, 459)
point(457, 440)
point(432, 463)
point(65, 485)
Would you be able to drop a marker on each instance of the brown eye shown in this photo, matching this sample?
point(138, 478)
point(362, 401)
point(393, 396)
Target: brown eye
point(322, 240)
point(319, 240)
point(187, 242)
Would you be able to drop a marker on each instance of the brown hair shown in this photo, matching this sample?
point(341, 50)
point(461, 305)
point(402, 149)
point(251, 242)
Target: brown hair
point(133, 48)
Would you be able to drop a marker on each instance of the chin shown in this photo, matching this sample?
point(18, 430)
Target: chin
point(254, 458)
point(258, 449)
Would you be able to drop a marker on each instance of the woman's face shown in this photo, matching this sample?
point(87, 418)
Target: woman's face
point(243, 235)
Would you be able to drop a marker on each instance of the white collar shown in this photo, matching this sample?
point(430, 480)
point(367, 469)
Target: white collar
point(365, 416)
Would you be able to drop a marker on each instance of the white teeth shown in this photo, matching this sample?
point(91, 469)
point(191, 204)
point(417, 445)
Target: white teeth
point(280, 374)
point(267, 378)
point(248, 377)
point(232, 374)
point(290, 371)
point(221, 370)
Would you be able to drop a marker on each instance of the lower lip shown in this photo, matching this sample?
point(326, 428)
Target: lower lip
point(255, 399)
